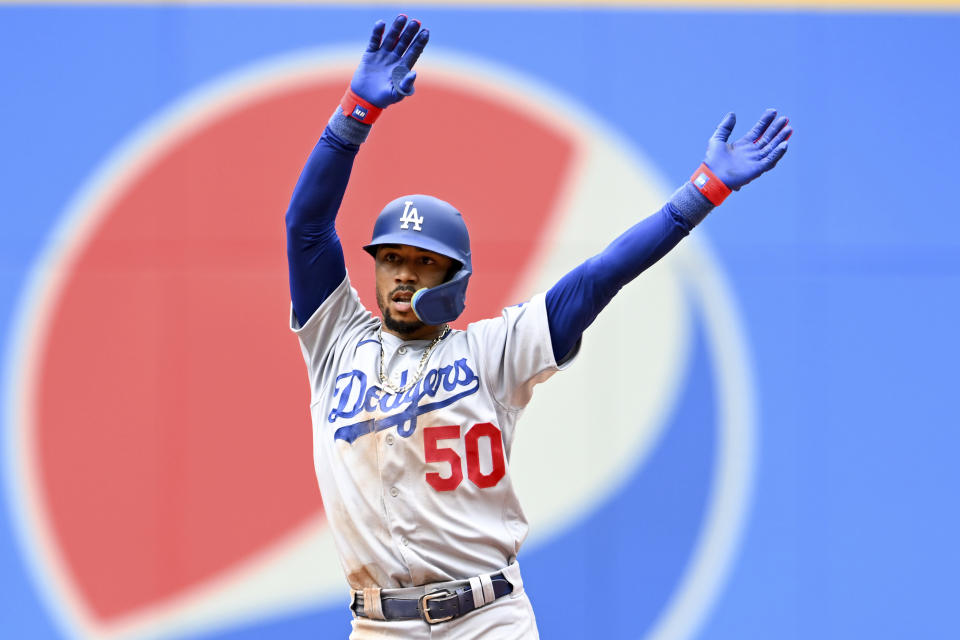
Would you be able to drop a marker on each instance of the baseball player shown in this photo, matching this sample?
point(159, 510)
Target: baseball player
point(413, 421)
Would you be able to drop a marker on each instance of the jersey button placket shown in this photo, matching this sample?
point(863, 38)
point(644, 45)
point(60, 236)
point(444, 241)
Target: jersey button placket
point(394, 462)
point(404, 358)
point(391, 475)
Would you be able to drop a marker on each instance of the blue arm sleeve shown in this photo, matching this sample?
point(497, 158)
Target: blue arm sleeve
point(314, 254)
point(574, 302)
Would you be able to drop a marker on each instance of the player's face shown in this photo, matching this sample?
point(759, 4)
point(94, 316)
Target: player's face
point(401, 271)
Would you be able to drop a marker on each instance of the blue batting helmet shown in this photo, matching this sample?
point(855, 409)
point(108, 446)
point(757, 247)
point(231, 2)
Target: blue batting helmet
point(429, 223)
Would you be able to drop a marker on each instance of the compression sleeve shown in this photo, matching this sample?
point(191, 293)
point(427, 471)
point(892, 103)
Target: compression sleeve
point(314, 253)
point(574, 302)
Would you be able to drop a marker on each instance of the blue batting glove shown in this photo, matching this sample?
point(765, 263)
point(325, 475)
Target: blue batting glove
point(756, 153)
point(384, 76)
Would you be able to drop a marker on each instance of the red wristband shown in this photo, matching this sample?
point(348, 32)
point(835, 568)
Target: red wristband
point(709, 184)
point(359, 109)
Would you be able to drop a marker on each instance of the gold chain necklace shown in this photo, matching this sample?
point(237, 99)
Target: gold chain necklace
point(392, 388)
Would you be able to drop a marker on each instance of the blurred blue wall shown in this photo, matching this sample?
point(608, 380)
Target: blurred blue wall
point(845, 266)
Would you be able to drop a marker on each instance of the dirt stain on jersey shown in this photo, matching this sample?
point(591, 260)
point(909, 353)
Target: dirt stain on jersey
point(362, 578)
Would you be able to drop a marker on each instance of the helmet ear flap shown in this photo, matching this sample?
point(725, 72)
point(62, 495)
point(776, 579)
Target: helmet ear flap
point(443, 303)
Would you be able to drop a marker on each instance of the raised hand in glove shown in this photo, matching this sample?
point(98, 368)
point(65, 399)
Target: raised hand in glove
point(385, 74)
point(729, 166)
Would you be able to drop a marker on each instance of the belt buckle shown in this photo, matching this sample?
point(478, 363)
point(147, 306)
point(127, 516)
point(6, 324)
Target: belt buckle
point(424, 609)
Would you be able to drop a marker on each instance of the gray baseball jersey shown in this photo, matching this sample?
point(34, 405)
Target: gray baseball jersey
point(416, 485)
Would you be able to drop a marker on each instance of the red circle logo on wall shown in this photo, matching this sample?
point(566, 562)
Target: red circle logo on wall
point(164, 432)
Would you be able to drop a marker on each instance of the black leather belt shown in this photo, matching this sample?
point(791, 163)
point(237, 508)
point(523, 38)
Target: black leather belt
point(436, 606)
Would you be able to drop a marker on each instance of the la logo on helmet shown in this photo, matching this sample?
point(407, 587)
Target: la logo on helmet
point(410, 216)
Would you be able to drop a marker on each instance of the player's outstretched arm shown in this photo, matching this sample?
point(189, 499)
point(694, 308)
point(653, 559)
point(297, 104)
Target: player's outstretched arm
point(383, 77)
point(576, 300)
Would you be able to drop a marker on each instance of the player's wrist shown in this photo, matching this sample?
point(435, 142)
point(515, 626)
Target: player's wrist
point(709, 185)
point(358, 108)
point(689, 205)
point(347, 128)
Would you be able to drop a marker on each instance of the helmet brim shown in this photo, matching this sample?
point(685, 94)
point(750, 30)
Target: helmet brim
point(427, 243)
